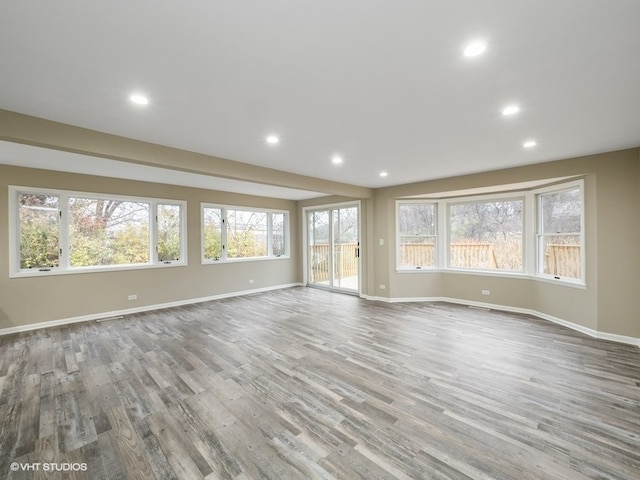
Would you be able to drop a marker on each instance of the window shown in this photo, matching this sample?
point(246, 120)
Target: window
point(277, 234)
point(39, 227)
point(486, 235)
point(169, 222)
point(416, 235)
point(246, 234)
point(105, 231)
point(560, 233)
point(233, 233)
point(536, 233)
point(212, 233)
point(64, 232)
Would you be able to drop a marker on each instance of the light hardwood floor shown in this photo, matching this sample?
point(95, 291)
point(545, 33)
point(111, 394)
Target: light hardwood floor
point(304, 383)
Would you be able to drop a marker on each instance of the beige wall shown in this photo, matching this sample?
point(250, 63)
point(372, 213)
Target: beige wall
point(611, 301)
point(618, 212)
point(26, 301)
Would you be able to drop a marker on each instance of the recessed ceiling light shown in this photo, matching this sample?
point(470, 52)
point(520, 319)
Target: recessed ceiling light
point(474, 49)
point(336, 159)
point(529, 144)
point(139, 99)
point(272, 139)
point(510, 110)
point(383, 174)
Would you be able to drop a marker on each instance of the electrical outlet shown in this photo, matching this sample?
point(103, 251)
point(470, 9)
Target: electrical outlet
point(486, 292)
point(383, 287)
point(133, 297)
point(251, 280)
point(381, 242)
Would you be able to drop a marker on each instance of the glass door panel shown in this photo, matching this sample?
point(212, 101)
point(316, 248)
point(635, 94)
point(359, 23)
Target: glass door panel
point(346, 248)
point(319, 252)
point(333, 250)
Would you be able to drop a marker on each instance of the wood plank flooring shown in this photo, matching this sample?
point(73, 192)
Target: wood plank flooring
point(308, 384)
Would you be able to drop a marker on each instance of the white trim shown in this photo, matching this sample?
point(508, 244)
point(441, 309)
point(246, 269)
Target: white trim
point(35, 273)
point(495, 273)
point(146, 308)
point(613, 337)
point(245, 259)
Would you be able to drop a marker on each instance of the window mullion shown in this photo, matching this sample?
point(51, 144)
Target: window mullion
point(442, 236)
point(529, 234)
point(64, 232)
point(153, 233)
point(223, 234)
point(398, 236)
point(269, 234)
point(183, 233)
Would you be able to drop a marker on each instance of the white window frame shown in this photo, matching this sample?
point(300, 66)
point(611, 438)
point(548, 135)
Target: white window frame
point(539, 271)
point(509, 197)
point(63, 242)
point(530, 234)
point(223, 234)
point(436, 252)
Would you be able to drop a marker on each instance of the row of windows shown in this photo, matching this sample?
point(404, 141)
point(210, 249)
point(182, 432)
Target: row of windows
point(68, 231)
point(493, 234)
point(58, 231)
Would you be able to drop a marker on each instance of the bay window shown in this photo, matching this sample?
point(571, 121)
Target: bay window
point(537, 232)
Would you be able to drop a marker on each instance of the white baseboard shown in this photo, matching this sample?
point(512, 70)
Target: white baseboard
point(573, 326)
point(145, 308)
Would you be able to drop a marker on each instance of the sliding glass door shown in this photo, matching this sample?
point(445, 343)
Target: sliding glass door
point(333, 248)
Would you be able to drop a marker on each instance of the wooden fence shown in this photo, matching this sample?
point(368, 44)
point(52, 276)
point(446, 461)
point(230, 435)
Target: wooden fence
point(480, 255)
point(462, 255)
point(560, 260)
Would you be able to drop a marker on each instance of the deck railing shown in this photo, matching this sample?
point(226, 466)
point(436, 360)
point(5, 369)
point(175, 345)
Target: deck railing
point(345, 261)
point(417, 254)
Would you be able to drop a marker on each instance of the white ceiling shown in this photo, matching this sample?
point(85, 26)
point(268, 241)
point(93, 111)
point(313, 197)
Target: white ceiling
point(383, 83)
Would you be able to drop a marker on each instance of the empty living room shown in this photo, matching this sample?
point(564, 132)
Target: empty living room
point(320, 240)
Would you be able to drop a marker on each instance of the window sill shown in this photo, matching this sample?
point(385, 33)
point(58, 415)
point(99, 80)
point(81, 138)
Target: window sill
point(35, 273)
point(243, 260)
point(572, 283)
